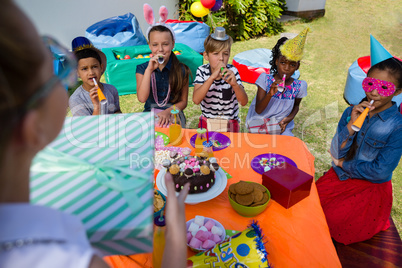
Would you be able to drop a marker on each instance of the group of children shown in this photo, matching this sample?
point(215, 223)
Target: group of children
point(163, 81)
point(356, 193)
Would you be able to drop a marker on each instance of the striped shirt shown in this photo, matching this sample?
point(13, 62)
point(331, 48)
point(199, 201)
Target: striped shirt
point(220, 101)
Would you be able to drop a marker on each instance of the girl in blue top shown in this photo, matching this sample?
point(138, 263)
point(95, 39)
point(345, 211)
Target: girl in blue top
point(356, 193)
point(163, 81)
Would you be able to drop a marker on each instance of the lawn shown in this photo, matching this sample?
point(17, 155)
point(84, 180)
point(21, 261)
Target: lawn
point(334, 43)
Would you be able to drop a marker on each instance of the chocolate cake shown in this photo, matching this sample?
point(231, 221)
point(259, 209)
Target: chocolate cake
point(198, 170)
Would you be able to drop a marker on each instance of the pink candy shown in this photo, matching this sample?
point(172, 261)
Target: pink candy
point(195, 243)
point(208, 244)
point(196, 170)
point(189, 236)
point(216, 238)
point(209, 225)
point(202, 235)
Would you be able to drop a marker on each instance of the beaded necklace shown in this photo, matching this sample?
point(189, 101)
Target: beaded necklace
point(154, 90)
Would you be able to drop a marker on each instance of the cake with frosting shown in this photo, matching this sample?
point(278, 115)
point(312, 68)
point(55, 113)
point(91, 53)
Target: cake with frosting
point(198, 170)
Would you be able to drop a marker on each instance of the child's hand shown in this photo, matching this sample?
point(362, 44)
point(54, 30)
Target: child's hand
point(358, 109)
point(217, 74)
point(93, 94)
point(274, 88)
point(153, 63)
point(229, 76)
point(164, 118)
point(284, 122)
point(337, 162)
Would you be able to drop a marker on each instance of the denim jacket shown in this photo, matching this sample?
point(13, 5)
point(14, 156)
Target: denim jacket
point(379, 146)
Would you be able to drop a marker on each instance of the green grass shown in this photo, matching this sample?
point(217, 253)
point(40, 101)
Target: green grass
point(335, 42)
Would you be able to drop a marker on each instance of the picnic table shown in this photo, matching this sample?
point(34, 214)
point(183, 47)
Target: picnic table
point(296, 237)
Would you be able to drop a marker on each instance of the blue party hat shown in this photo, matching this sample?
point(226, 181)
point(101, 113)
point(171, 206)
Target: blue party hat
point(377, 52)
point(81, 42)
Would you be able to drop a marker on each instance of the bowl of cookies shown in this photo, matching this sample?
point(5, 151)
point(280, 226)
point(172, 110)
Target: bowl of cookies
point(248, 198)
point(159, 203)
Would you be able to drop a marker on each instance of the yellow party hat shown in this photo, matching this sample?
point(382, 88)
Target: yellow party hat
point(292, 49)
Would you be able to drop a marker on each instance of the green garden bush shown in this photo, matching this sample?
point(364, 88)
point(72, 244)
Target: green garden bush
point(242, 19)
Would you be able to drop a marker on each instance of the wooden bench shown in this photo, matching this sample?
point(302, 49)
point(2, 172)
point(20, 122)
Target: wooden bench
point(383, 250)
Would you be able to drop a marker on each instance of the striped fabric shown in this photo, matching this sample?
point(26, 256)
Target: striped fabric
point(220, 101)
point(107, 215)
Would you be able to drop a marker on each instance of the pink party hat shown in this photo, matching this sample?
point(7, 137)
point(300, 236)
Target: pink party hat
point(292, 49)
point(377, 52)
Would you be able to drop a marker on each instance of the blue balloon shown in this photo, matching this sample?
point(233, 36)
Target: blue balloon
point(217, 6)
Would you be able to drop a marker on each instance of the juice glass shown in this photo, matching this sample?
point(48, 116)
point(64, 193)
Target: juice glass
point(201, 137)
point(175, 134)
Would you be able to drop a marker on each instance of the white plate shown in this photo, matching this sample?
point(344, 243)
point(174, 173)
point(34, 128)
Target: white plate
point(220, 185)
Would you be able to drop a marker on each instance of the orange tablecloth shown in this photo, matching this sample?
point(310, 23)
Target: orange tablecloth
point(296, 237)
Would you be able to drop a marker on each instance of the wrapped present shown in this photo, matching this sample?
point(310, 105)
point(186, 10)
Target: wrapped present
point(264, 126)
point(287, 184)
point(100, 168)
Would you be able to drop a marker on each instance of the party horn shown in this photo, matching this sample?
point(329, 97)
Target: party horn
point(101, 96)
point(357, 125)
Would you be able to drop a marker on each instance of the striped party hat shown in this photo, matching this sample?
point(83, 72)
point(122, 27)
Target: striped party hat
point(292, 49)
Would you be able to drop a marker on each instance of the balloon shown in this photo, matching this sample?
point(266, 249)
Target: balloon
point(198, 10)
point(208, 3)
point(217, 6)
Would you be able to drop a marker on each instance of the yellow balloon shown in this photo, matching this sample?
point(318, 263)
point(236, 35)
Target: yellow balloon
point(198, 10)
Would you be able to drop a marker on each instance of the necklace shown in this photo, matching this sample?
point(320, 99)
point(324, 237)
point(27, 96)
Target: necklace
point(154, 92)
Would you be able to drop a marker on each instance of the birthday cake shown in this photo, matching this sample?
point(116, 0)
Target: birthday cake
point(198, 170)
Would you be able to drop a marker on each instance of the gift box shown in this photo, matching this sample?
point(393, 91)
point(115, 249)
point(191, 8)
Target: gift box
point(120, 72)
point(264, 126)
point(100, 168)
point(287, 184)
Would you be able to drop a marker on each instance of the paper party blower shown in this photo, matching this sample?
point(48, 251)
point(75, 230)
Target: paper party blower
point(377, 52)
point(208, 3)
point(357, 125)
point(198, 10)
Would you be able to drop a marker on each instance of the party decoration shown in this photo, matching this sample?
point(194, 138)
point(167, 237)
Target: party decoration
point(378, 52)
point(150, 18)
point(357, 125)
point(293, 48)
point(198, 10)
point(217, 6)
point(208, 3)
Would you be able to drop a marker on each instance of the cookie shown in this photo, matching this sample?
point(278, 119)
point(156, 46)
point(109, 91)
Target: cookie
point(263, 201)
point(232, 188)
point(258, 195)
point(245, 199)
point(260, 187)
point(243, 187)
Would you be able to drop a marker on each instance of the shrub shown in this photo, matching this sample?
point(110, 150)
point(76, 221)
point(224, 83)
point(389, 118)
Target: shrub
point(242, 19)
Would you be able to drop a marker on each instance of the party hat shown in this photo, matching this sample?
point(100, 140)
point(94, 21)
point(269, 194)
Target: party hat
point(293, 48)
point(377, 52)
point(81, 42)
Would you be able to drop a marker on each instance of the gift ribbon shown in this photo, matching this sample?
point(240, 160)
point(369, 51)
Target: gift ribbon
point(108, 174)
point(264, 127)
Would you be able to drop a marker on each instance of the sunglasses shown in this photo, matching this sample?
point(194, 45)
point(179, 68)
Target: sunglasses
point(384, 88)
point(64, 63)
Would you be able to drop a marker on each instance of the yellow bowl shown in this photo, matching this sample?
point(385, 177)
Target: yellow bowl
point(249, 211)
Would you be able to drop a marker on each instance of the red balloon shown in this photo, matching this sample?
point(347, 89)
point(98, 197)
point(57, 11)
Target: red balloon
point(208, 3)
point(217, 6)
